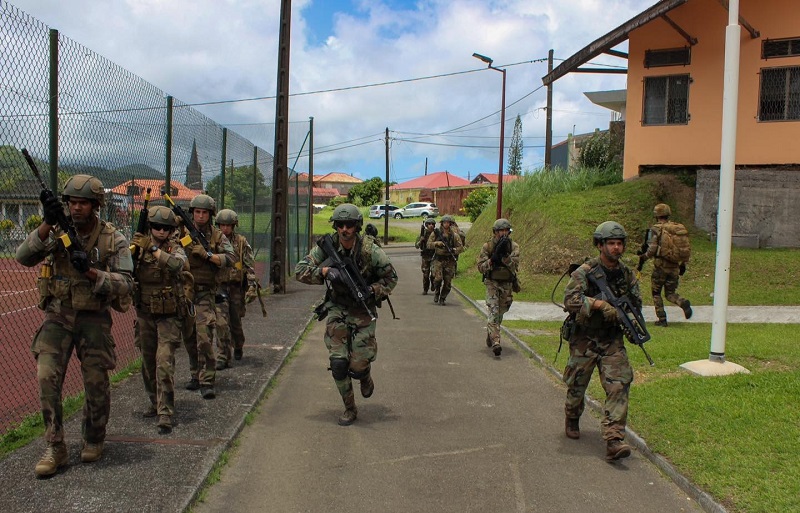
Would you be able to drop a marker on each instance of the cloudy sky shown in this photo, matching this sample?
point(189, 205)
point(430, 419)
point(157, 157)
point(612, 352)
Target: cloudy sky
point(439, 103)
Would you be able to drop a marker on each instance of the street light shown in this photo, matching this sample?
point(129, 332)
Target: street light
point(489, 61)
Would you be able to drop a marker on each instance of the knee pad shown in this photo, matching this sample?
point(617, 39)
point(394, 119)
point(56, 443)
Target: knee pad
point(360, 374)
point(339, 368)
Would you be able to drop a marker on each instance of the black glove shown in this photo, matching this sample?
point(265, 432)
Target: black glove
point(681, 269)
point(53, 208)
point(80, 261)
point(497, 260)
point(503, 246)
point(334, 275)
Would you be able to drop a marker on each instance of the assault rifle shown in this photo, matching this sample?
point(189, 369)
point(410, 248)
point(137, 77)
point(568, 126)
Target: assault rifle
point(359, 289)
point(258, 291)
point(643, 250)
point(142, 225)
point(440, 237)
point(629, 315)
point(69, 238)
point(503, 249)
point(194, 234)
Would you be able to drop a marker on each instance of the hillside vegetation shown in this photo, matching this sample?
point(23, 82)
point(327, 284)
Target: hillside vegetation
point(555, 229)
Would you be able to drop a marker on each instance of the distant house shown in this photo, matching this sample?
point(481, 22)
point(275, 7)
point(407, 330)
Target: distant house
point(323, 196)
point(492, 178)
point(431, 187)
point(675, 75)
point(339, 181)
point(130, 195)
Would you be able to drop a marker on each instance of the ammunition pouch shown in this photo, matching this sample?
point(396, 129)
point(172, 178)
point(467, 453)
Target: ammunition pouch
point(321, 311)
point(501, 273)
point(163, 302)
point(568, 327)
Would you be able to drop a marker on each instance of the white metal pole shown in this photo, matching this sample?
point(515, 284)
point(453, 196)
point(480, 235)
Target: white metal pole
point(727, 175)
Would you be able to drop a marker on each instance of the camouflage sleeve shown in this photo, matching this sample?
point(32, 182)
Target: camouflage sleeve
point(227, 255)
point(431, 240)
point(249, 262)
point(652, 242)
point(384, 271)
point(117, 281)
point(575, 299)
point(308, 270)
point(173, 262)
point(458, 246)
point(33, 249)
point(484, 265)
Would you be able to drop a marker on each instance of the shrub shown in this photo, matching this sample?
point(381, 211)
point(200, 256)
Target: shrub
point(33, 222)
point(6, 225)
point(477, 201)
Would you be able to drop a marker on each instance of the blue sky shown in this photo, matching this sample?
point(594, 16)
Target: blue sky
point(439, 103)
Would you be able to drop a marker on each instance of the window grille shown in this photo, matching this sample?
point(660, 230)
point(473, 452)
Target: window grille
point(771, 48)
point(779, 95)
point(666, 100)
point(670, 57)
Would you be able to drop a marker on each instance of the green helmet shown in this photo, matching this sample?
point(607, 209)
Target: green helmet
point(205, 202)
point(162, 215)
point(609, 230)
point(430, 220)
point(227, 216)
point(347, 212)
point(501, 224)
point(662, 210)
point(447, 218)
point(84, 186)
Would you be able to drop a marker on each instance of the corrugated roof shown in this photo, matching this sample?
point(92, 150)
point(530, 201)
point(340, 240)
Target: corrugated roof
point(492, 178)
point(338, 177)
point(431, 181)
point(184, 194)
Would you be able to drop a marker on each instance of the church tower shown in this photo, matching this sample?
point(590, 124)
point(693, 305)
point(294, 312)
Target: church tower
point(194, 173)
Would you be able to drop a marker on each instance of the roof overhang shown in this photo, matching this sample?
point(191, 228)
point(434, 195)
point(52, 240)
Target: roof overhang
point(613, 100)
point(606, 43)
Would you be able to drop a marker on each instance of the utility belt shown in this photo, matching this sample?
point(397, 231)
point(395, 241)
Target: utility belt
point(500, 274)
point(444, 258)
point(164, 301)
point(71, 293)
point(428, 253)
point(606, 331)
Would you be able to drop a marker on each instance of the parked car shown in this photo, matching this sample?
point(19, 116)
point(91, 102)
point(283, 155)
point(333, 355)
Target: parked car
point(419, 209)
point(378, 211)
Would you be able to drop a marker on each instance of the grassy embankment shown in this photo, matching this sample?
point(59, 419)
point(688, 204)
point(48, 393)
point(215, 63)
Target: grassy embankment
point(737, 436)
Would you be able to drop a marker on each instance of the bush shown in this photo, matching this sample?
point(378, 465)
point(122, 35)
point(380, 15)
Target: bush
point(33, 222)
point(6, 225)
point(477, 201)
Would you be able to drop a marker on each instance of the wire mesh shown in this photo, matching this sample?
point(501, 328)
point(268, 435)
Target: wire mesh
point(111, 124)
point(780, 94)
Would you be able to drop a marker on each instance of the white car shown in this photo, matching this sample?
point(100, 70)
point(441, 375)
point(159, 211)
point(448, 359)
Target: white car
point(378, 211)
point(419, 209)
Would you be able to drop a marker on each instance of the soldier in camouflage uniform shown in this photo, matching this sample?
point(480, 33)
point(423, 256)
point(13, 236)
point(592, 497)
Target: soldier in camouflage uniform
point(498, 262)
point(426, 255)
point(444, 260)
point(204, 266)
point(235, 283)
point(160, 309)
point(666, 274)
point(76, 289)
point(597, 339)
point(350, 328)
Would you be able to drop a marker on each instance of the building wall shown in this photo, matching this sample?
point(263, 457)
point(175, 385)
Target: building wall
point(698, 142)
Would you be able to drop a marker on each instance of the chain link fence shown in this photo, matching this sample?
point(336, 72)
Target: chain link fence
point(110, 123)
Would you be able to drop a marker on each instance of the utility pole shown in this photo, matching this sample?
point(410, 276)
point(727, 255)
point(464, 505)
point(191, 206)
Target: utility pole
point(386, 212)
point(548, 130)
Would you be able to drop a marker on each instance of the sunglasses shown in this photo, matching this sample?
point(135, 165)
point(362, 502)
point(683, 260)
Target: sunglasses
point(344, 224)
point(161, 227)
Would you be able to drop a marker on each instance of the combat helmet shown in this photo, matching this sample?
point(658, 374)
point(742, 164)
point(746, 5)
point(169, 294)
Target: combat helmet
point(609, 230)
point(429, 220)
point(447, 218)
point(347, 212)
point(84, 186)
point(662, 210)
point(227, 216)
point(205, 202)
point(162, 215)
point(501, 224)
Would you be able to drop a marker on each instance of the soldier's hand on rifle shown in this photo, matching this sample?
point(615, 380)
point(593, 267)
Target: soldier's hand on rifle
point(142, 241)
point(199, 251)
point(52, 207)
point(497, 259)
point(251, 294)
point(334, 275)
point(439, 244)
point(681, 269)
point(80, 261)
point(609, 312)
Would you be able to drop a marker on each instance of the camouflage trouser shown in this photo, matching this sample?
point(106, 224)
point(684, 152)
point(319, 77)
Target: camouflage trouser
point(499, 297)
point(426, 272)
point(230, 334)
point(666, 279)
point(350, 335)
point(157, 337)
point(443, 271)
point(199, 344)
point(90, 336)
point(609, 356)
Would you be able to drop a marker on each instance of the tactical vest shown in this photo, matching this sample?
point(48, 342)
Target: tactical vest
point(501, 273)
point(442, 253)
point(235, 273)
point(617, 282)
point(204, 272)
point(362, 257)
point(72, 288)
point(158, 291)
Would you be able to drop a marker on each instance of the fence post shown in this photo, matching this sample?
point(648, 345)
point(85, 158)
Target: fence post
point(222, 167)
point(168, 144)
point(53, 111)
point(253, 195)
point(310, 184)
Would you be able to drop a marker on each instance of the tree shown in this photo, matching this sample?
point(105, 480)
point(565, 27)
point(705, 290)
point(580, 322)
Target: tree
point(239, 187)
point(367, 193)
point(477, 201)
point(515, 150)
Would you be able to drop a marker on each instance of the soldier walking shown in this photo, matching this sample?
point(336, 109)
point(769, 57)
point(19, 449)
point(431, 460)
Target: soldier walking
point(76, 289)
point(446, 244)
point(426, 255)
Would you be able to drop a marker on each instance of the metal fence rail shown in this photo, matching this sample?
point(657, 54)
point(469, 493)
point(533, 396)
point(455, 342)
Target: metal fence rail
point(77, 112)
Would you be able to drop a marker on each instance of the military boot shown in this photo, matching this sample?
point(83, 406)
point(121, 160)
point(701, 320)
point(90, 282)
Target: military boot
point(687, 309)
point(351, 412)
point(616, 450)
point(91, 452)
point(367, 386)
point(164, 424)
point(193, 384)
point(497, 348)
point(572, 428)
point(55, 456)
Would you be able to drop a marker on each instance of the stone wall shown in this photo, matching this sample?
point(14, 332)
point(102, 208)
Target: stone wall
point(766, 206)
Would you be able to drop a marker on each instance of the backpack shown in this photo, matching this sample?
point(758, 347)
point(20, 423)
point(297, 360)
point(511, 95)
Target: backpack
point(674, 245)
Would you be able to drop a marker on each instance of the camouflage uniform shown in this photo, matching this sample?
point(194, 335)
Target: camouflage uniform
point(444, 265)
point(666, 275)
point(499, 286)
point(77, 318)
point(160, 309)
point(350, 332)
point(426, 257)
point(200, 342)
point(599, 343)
point(233, 282)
